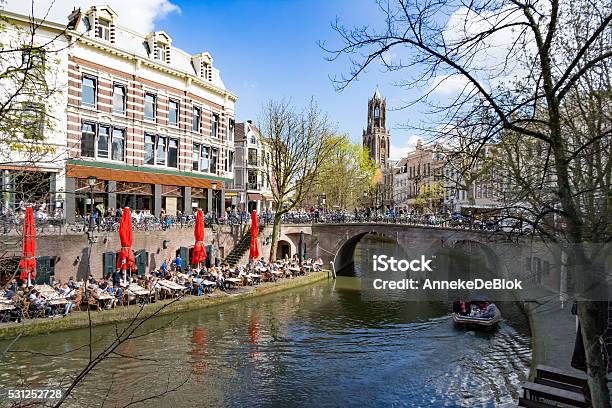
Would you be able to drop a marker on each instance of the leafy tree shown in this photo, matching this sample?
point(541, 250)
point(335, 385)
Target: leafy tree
point(531, 62)
point(344, 176)
point(299, 143)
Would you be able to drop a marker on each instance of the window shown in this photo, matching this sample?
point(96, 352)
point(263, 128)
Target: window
point(119, 99)
point(253, 139)
point(173, 113)
point(230, 130)
point(103, 141)
point(214, 155)
point(149, 149)
point(86, 23)
point(230, 161)
point(252, 180)
point(204, 156)
point(197, 114)
point(173, 153)
point(88, 137)
point(107, 143)
point(252, 157)
point(161, 151)
point(149, 108)
point(33, 120)
point(196, 156)
point(160, 51)
point(215, 124)
point(88, 91)
point(33, 58)
point(118, 144)
point(103, 29)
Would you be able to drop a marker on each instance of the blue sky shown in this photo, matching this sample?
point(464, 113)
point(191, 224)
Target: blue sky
point(268, 50)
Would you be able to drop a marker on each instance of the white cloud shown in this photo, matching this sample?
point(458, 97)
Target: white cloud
point(408, 144)
point(138, 15)
point(448, 84)
point(499, 58)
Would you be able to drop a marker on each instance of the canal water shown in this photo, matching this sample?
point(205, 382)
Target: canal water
point(319, 345)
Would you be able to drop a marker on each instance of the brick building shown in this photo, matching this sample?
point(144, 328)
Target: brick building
point(153, 124)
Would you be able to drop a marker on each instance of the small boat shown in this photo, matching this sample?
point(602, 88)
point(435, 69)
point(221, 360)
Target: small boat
point(478, 302)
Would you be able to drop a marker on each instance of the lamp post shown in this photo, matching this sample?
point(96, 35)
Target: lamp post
point(91, 182)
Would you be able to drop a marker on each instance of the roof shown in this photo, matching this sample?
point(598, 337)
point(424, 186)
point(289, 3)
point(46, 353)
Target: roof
point(377, 94)
point(135, 43)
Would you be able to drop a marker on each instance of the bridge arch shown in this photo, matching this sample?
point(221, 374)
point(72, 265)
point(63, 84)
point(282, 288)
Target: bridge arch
point(344, 257)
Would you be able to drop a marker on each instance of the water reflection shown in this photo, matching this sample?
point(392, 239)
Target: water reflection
point(320, 345)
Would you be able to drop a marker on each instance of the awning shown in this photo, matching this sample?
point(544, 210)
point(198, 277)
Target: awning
point(131, 176)
point(268, 197)
point(255, 197)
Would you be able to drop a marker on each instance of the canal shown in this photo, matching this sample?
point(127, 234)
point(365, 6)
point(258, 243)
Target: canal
point(319, 345)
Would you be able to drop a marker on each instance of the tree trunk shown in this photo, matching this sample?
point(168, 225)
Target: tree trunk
point(275, 234)
point(589, 314)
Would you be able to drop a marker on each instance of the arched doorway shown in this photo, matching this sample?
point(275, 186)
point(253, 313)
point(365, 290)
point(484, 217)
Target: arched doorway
point(283, 249)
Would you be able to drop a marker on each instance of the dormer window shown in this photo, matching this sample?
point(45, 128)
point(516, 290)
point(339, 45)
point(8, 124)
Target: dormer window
point(202, 64)
point(86, 23)
point(158, 45)
point(103, 29)
point(159, 52)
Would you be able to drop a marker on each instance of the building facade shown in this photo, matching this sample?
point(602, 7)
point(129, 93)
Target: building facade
point(250, 168)
point(152, 123)
point(33, 133)
point(435, 173)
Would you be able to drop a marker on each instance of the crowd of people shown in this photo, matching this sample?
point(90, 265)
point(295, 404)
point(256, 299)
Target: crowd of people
point(173, 279)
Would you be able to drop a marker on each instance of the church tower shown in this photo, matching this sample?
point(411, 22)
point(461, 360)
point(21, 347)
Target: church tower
point(376, 137)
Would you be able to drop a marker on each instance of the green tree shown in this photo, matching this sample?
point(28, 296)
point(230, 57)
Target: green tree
point(550, 50)
point(299, 144)
point(430, 198)
point(343, 176)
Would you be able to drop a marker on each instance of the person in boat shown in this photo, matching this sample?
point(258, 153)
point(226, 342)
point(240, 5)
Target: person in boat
point(457, 306)
point(490, 311)
point(460, 307)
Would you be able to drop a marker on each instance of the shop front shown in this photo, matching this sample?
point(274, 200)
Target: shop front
point(231, 200)
point(83, 195)
point(172, 199)
point(199, 199)
point(137, 196)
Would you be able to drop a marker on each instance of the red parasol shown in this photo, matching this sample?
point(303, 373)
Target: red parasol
point(126, 260)
point(254, 250)
point(28, 255)
point(199, 253)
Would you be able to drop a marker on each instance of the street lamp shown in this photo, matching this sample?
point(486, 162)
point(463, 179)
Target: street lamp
point(91, 182)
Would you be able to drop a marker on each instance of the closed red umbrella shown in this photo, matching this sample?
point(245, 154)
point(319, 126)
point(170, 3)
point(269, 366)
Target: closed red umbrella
point(126, 257)
point(254, 249)
point(28, 254)
point(199, 252)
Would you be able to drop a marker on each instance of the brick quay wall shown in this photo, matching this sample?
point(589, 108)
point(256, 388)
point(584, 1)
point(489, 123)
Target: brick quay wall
point(72, 250)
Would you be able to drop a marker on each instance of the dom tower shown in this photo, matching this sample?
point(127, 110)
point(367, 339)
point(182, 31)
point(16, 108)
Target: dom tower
point(376, 137)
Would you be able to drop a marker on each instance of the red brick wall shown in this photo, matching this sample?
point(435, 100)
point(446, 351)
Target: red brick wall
point(69, 247)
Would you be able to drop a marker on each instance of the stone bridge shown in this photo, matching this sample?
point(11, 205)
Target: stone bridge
point(336, 243)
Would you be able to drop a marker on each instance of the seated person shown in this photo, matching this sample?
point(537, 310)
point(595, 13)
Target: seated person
point(490, 311)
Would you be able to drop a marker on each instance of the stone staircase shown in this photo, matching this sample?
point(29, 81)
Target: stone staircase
point(239, 249)
point(10, 247)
